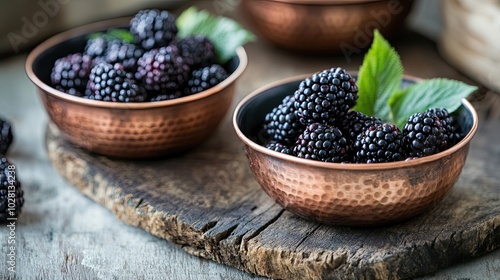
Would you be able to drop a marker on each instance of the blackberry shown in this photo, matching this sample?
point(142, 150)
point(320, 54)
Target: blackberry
point(5, 136)
point(449, 124)
point(326, 96)
point(9, 187)
point(96, 47)
point(279, 147)
point(70, 74)
point(321, 142)
point(111, 83)
point(162, 70)
point(281, 124)
point(153, 28)
point(379, 143)
point(124, 53)
point(205, 78)
point(198, 50)
point(355, 123)
point(424, 135)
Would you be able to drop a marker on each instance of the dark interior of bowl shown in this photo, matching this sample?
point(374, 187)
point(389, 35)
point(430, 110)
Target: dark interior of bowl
point(42, 65)
point(251, 116)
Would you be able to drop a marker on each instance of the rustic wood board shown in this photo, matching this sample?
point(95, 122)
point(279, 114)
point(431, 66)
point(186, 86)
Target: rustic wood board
point(208, 202)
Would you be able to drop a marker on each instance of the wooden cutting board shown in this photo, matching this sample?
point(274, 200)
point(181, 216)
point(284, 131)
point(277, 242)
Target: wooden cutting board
point(208, 202)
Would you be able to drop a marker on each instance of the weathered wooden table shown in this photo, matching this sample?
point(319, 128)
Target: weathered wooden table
point(64, 235)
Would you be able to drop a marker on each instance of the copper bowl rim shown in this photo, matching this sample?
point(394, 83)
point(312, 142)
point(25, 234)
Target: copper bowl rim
point(326, 2)
point(92, 27)
point(348, 166)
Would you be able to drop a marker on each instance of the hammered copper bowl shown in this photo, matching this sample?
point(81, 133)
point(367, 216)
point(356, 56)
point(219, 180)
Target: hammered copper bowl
point(347, 194)
point(128, 130)
point(327, 26)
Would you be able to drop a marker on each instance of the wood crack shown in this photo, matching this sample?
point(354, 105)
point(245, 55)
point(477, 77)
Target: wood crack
point(225, 234)
point(206, 227)
point(137, 202)
point(238, 239)
point(307, 235)
point(244, 244)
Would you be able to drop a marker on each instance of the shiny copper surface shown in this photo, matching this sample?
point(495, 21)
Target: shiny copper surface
point(328, 26)
point(355, 194)
point(134, 130)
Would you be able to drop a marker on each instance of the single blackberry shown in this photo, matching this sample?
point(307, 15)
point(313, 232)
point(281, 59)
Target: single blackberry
point(450, 125)
point(162, 70)
point(279, 147)
point(70, 74)
point(124, 53)
point(197, 50)
point(96, 47)
point(424, 135)
point(355, 123)
point(379, 143)
point(153, 28)
point(321, 142)
point(326, 96)
point(205, 78)
point(11, 193)
point(5, 136)
point(281, 124)
point(111, 83)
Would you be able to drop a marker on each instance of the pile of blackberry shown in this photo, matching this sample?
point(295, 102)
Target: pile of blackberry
point(11, 193)
point(318, 122)
point(156, 65)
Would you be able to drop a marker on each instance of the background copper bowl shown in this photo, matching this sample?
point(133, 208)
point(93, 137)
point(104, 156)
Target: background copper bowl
point(128, 130)
point(327, 26)
point(347, 194)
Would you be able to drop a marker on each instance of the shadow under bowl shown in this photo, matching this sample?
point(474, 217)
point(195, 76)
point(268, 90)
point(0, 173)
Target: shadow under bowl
point(348, 194)
point(128, 130)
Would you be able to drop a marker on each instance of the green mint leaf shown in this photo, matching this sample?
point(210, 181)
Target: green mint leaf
point(433, 93)
point(94, 35)
point(226, 34)
point(189, 21)
point(121, 34)
point(112, 34)
point(379, 76)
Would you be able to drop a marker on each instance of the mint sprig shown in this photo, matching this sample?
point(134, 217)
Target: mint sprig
point(226, 34)
point(380, 76)
point(433, 93)
point(380, 93)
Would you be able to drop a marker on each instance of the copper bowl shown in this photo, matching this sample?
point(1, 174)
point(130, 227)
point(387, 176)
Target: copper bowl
point(326, 26)
point(348, 194)
point(128, 130)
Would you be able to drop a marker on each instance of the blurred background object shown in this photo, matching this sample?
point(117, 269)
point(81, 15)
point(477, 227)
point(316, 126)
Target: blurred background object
point(326, 26)
point(425, 18)
point(25, 23)
point(470, 40)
